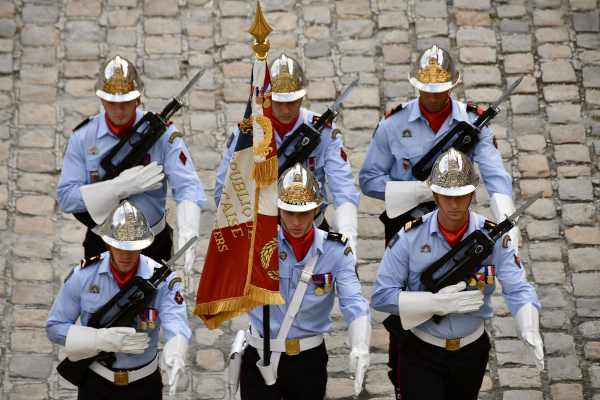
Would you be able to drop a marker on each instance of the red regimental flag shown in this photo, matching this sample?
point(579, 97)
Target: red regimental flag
point(241, 270)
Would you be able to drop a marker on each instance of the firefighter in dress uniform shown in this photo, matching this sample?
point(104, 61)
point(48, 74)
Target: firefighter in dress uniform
point(134, 374)
point(81, 190)
point(328, 161)
point(314, 266)
point(407, 133)
point(447, 359)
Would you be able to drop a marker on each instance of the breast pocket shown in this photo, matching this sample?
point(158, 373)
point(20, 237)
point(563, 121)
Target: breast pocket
point(406, 158)
point(91, 302)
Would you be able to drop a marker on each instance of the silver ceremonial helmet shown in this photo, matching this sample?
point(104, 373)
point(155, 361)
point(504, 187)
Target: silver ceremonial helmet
point(434, 71)
point(298, 190)
point(119, 81)
point(126, 228)
point(453, 175)
point(288, 82)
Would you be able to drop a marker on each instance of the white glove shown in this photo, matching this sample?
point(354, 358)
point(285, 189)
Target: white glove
point(359, 338)
point(403, 196)
point(345, 221)
point(417, 307)
point(528, 329)
point(85, 342)
point(187, 218)
point(102, 197)
point(173, 360)
point(501, 207)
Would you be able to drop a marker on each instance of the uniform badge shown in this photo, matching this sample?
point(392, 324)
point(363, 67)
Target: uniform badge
point(406, 164)
point(93, 151)
point(94, 289)
point(426, 248)
point(348, 250)
point(182, 157)
point(230, 140)
point(173, 282)
point(495, 142)
point(518, 261)
point(95, 175)
point(147, 318)
point(178, 297)
point(343, 153)
point(174, 135)
point(406, 133)
point(335, 132)
point(505, 241)
point(311, 162)
point(282, 256)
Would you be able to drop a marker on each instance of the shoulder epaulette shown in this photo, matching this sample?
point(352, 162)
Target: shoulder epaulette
point(393, 110)
point(489, 224)
point(86, 262)
point(413, 224)
point(337, 237)
point(393, 240)
point(316, 119)
point(474, 109)
point(230, 140)
point(82, 123)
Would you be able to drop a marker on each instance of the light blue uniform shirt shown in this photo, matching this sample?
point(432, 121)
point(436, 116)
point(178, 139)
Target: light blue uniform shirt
point(328, 157)
point(313, 317)
point(405, 261)
point(77, 298)
point(90, 144)
point(402, 139)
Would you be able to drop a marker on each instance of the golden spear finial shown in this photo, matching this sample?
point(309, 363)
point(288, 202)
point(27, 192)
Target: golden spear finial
point(260, 30)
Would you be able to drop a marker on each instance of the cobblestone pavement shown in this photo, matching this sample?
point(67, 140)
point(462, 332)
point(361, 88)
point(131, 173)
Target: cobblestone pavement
point(50, 55)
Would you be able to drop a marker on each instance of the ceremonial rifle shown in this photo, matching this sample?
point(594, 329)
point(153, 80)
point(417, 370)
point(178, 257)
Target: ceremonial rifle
point(311, 135)
point(465, 257)
point(466, 136)
point(138, 293)
point(151, 127)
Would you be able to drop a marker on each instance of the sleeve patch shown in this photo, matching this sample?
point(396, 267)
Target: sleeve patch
point(335, 133)
point(348, 250)
point(230, 140)
point(517, 261)
point(174, 135)
point(495, 142)
point(337, 237)
point(182, 157)
point(343, 153)
point(178, 298)
point(173, 282)
point(392, 111)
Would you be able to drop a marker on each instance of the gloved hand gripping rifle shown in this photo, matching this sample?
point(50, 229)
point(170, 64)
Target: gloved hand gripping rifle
point(150, 128)
point(121, 311)
point(311, 135)
point(464, 258)
point(465, 133)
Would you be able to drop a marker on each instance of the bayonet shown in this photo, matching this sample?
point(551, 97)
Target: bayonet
point(507, 93)
point(177, 101)
point(343, 95)
point(179, 253)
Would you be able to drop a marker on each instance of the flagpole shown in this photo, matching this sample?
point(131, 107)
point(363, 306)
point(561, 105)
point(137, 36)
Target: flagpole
point(260, 30)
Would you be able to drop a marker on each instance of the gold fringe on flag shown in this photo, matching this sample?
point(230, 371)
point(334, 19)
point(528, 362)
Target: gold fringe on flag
point(265, 173)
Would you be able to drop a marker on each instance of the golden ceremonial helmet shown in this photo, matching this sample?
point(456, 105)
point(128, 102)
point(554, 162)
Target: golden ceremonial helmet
point(119, 81)
point(434, 71)
point(453, 175)
point(126, 228)
point(288, 82)
point(298, 190)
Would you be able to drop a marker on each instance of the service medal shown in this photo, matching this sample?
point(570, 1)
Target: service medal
point(480, 285)
point(319, 291)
